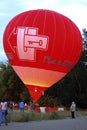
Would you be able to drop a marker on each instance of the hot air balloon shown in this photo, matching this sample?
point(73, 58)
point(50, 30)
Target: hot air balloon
point(42, 46)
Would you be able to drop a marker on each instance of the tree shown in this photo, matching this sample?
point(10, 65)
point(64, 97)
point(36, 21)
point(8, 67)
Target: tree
point(11, 86)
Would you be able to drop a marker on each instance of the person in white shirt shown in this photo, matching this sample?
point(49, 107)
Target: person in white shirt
point(3, 112)
point(73, 109)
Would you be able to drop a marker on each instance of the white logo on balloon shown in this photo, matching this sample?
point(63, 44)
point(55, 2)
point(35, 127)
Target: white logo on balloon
point(30, 42)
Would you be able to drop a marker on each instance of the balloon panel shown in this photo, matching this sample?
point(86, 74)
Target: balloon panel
point(36, 91)
point(38, 77)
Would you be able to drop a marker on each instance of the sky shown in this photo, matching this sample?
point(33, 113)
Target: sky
point(76, 10)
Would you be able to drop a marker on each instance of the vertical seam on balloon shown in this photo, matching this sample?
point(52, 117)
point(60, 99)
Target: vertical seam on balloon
point(53, 16)
point(77, 37)
point(26, 17)
point(73, 38)
point(44, 21)
point(35, 17)
point(45, 11)
point(64, 36)
point(72, 33)
point(18, 18)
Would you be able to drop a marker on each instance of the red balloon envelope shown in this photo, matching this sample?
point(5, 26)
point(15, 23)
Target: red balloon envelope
point(42, 46)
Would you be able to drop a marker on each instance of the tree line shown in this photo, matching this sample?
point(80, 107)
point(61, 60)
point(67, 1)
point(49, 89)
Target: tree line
point(73, 87)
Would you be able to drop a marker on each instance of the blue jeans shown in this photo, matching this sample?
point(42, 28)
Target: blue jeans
point(2, 114)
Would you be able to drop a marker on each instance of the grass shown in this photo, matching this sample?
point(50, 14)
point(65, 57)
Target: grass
point(17, 116)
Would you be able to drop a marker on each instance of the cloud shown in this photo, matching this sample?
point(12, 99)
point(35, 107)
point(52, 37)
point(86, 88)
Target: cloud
point(2, 5)
point(2, 14)
point(82, 2)
point(77, 13)
point(38, 4)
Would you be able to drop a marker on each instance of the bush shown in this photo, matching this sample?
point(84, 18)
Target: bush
point(17, 116)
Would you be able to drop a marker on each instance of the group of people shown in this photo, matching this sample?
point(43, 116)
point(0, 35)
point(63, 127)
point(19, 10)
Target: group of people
point(4, 110)
point(22, 105)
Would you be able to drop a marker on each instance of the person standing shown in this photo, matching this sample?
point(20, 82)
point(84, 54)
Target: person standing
point(11, 105)
point(73, 109)
point(21, 106)
point(3, 112)
point(0, 113)
point(31, 105)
